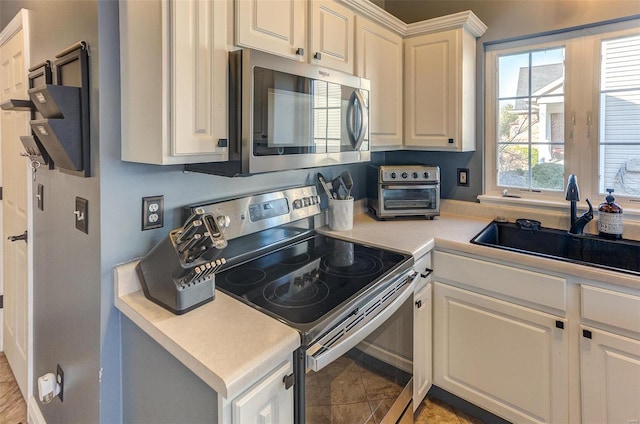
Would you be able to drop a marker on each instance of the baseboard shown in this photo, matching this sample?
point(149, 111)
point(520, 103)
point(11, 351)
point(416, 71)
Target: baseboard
point(34, 416)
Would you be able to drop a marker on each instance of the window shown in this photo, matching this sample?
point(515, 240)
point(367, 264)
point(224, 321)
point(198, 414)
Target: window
point(565, 104)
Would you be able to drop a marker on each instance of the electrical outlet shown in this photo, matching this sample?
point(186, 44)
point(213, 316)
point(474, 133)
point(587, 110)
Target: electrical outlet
point(152, 212)
point(82, 214)
point(60, 380)
point(463, 177)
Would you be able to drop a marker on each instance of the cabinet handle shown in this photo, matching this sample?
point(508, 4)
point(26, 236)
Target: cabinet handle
point(317, 56)
point(560, 324)
point(419, 303)
point(427, 272)
point(289, 381)
point(300, 51)
point(586, 334)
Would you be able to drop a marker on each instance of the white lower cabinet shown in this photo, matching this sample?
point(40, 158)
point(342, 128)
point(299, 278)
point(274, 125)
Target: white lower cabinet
point(508, 359)
point(267, 401)
point(610, 371)
point(610, 355)
point(422, 337)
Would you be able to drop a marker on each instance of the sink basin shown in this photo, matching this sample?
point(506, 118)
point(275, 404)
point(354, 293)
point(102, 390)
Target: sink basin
point(525, 237)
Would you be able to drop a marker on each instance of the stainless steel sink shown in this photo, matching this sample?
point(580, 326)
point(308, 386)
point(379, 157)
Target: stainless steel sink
point(526, 236)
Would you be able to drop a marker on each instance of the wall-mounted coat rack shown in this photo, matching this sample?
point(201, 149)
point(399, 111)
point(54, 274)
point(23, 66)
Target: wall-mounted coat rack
point(61, 131)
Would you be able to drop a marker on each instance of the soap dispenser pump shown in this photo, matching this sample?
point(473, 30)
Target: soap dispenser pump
point(610, 218)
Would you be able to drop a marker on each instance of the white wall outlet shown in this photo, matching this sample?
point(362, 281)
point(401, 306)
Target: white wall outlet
point(152, 212)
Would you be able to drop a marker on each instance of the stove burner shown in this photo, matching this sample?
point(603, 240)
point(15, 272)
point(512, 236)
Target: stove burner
point(245, 276)
point(296, 260)
point(362, 265)
point(297, 293)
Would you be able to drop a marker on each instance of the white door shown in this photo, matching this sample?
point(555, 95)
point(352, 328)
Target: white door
point(15, 182)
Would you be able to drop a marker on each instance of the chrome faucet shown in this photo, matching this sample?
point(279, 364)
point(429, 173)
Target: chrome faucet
point(572, 194)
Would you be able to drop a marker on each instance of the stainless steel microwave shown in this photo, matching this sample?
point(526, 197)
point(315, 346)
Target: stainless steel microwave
point(285, 114)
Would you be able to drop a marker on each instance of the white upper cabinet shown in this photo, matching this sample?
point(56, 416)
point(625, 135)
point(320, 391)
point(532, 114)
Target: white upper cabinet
point(440, 84)
point(275, 26)
point(173, 81)
point(379, 59)
point(332, 35)
point(280, 27)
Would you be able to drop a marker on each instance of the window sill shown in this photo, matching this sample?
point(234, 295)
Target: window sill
point(549, 205)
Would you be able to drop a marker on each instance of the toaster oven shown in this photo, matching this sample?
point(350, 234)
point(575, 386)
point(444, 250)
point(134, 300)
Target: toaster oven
point(403, 190)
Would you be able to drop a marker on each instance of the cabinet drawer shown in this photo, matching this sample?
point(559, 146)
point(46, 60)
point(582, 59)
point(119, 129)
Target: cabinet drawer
point(515, 283)
point(612, 308)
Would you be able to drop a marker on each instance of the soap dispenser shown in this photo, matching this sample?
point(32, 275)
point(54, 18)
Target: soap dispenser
point(610, 218)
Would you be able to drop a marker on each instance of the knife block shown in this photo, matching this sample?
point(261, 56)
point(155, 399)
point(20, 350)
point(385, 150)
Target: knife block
point(175, 282)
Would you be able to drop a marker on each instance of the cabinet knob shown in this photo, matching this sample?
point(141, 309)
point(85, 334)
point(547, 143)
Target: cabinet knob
point(317, 56)
point(300, 51)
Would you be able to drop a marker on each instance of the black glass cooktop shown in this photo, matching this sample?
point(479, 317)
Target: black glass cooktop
point(302, 282)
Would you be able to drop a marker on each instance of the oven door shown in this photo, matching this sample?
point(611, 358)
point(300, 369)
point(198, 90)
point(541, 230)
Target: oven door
point(367, 374)
point(401, 199)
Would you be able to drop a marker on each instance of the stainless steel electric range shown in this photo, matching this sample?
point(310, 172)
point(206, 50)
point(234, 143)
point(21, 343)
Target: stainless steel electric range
point(350, 302)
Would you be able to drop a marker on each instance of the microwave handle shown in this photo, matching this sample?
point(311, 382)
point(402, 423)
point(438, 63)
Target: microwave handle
point(356, 105)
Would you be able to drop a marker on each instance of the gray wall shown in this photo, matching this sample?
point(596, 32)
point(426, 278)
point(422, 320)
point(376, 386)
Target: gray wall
point(506, 19)
point(66, 261)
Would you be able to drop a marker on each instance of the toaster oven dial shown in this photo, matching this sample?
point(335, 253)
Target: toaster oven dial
point(426, 175)
point(405, 175)
point(415, 175)
point(394, 175)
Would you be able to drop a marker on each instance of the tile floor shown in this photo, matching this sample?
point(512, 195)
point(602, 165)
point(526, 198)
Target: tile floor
point(355, 393)
point(348, 392)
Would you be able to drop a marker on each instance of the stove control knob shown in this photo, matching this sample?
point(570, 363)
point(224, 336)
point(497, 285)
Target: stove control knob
point(223, 221)
point(297, 204)
point(394, 175)
point(405, 175)
point(415, 175)
point(426, 175)
point(306, 201)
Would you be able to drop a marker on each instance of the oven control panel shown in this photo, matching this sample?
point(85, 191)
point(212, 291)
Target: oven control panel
point(409, 173)
point(247, 215)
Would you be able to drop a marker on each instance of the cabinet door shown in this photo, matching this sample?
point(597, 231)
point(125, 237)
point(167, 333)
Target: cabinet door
point(269, 401)
point(379, 59)
point(610, 377)
point(421, 345)
point(173, 81)
point(431, 78)
point(198, 77)
point(507, 359)
point(274, 26)
point(332, 35)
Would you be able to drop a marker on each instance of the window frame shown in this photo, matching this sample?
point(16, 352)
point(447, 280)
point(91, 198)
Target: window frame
point(581, 139)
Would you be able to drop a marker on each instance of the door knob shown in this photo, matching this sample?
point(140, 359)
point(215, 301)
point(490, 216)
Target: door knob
point(22, 236)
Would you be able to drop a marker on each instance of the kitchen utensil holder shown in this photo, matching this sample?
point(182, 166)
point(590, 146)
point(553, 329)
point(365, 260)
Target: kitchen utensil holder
point(341, 214)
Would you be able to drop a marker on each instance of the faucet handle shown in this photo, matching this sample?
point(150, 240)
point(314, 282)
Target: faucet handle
point(589, 214)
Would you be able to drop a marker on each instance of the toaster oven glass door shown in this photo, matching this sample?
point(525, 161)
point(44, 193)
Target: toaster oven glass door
point(410, 198)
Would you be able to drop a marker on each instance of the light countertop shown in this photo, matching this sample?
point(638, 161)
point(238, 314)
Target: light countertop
point(231, 345)
point(226, 343)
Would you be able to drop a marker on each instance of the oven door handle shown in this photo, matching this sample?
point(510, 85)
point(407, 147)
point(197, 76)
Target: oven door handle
point(318, 361)
point(408, 186)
